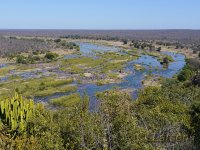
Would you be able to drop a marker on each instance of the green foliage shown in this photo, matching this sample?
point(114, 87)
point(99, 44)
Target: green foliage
point(195, 121)
point(67, 45)
point(21, 59)
point(159, 49)
point(155, 120)
point(124, 41)
point(119, 123)
point(196, 80)
point(57, 40)
point(101, 82)
point(51, 56)
point(16, 111)
point(38, 87)
point(189, 70)
point(185, 74)
point(66, 101)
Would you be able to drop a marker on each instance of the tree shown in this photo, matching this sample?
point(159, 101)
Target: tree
point(159, 49)
point(152, 48)
point(125, 41)
point(195, 118)
point(196, 79)
point(57, 40)
point(51, 56)
point(184, 75)
point(21, 59)
point(165, 60)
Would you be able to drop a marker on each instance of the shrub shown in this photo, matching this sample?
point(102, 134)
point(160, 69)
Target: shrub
point(195, 119)
point(184, 75)
point(57, 40)
point(159, 49)
point(21, 59)
point(196, 80)
point(51, 56)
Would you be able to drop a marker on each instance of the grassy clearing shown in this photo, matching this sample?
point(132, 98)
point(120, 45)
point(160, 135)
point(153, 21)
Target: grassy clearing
point(66, 101)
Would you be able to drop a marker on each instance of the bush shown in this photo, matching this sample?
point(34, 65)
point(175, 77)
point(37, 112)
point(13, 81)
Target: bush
point(51, 56)
point(184, 75)
point(194, 64)
point(125, 41)
point(57, 40)
point(159, 49)
point(35, 52)
point(196, 80)
point(195, 119)
point(21, 59)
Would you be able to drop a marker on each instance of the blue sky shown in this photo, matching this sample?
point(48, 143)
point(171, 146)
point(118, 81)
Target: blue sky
point(99, 14)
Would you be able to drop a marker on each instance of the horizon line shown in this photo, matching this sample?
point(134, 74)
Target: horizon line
point(94, 29)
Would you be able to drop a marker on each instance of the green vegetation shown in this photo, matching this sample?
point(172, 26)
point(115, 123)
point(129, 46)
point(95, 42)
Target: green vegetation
point(105, 63)
point(31, 59)
point(159, 117)
point(163, 58)
point(15, 112)
point(21, 59)
point(189, 70)
point(38, 87)
point(52, 90)
point(102, 82)
point(69, 100)
point(67, 45)
point(4, 71)
point(138, 67)
point(113, 76)
point(51, 56)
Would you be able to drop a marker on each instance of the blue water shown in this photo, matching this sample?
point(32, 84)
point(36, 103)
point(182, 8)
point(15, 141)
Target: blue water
point(88, 48)
point(132, 81)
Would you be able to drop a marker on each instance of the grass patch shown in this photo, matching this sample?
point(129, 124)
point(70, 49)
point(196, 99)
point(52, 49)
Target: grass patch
point(37, 87)
point(51, 90)
point(66, 101)
point(102, 82)
point(113, 76)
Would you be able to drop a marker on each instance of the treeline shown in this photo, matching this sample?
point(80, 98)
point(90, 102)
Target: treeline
point(11, 45)
point(94, 37)
point(166, 117)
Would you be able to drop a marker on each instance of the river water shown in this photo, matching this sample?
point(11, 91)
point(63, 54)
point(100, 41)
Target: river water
point(132, 81)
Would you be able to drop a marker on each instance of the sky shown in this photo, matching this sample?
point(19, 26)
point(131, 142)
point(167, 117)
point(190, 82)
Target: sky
point(99, 14)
